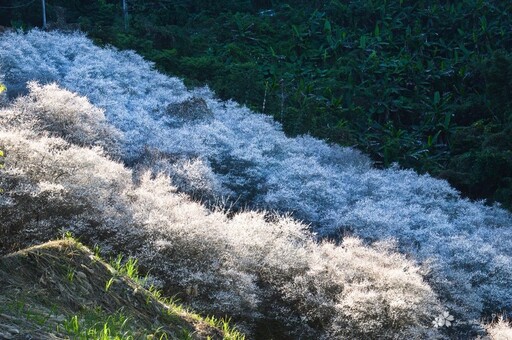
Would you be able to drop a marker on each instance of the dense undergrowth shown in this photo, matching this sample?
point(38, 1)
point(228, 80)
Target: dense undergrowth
point(423, 83)
point(125, 160)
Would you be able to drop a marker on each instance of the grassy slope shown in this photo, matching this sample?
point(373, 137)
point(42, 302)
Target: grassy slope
point(61, 289)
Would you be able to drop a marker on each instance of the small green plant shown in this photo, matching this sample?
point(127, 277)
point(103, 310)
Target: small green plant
point(223, 324)
point(109, 283)
point(153, 292)
point(163, 336)
point(71, 274)
point(117, 263)
point(67, 235)
point(131, 269)
point(72, 325)
point(96, 250)
point(95, 324)
point(185, 334)
point(105, 332)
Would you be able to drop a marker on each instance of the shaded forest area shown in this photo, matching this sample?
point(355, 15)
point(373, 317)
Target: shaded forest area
point(427, 84)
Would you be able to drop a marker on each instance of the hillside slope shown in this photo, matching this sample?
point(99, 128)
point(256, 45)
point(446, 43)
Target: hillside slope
point(267, 272)
point(125, 157)
point(61, 290)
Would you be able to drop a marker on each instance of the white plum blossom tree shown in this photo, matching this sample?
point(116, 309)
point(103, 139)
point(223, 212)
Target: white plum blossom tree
point(224, 152)
point(253, 266)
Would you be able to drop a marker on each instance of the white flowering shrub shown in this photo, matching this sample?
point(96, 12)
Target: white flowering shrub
point(62, 113)
point(191, 175)
point(500, 329)
point(50, 185)
point(221, 149)
point(252, 267)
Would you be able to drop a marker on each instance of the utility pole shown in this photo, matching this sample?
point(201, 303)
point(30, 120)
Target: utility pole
point(125, 15)
point(44, 14)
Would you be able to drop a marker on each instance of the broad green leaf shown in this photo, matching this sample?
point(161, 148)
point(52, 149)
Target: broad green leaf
point(447, 120)
point(483, 23)
point(327, 26)
point(362, 42)
point(437, 98)
point(296, 31)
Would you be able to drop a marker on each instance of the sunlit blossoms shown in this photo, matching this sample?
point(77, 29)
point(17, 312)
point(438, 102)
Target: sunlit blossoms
point(90, 106)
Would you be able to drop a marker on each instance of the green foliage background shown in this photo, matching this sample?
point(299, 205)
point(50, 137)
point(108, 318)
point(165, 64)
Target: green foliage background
point(427, 84)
